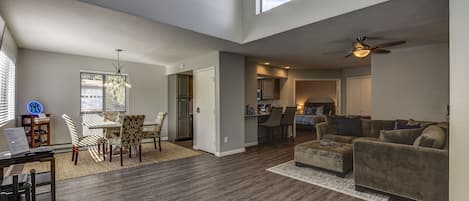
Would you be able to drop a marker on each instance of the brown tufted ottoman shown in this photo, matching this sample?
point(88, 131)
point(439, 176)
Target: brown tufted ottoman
point(335, 157)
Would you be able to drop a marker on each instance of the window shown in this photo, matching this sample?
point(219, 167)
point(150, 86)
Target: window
point(265, 5)
point(96, 97)
point(7, 88)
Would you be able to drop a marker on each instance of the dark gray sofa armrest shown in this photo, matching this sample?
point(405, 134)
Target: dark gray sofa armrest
point(414, 172)
point(321, 130)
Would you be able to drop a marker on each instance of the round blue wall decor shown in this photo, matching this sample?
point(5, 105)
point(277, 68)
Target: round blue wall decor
point(34, 107)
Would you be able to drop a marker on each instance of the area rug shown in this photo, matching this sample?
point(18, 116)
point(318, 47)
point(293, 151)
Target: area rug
point(325, 179)
point(90, 162)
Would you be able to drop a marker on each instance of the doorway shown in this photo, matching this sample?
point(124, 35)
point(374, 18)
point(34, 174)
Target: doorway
point(180, 108)
point(204, 110)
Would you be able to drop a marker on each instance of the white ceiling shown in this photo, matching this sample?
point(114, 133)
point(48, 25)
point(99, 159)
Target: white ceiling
point(74, 27)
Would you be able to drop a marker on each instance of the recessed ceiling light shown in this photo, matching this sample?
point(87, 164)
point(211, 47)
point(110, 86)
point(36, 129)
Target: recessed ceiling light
point(287, 67)
point(266, 63)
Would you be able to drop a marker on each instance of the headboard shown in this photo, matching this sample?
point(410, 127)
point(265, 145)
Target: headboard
point(329, 107)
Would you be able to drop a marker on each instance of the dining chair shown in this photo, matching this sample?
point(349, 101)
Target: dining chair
point(156, 131)
point(273, 122)
point(82, 141)
point(288, 119)
point(111, 116)
point(114, 117)
point(130, 136)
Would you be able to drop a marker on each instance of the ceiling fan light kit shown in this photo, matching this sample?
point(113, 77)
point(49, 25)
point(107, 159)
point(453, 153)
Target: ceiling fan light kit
point(361, 53)
point(362, 50)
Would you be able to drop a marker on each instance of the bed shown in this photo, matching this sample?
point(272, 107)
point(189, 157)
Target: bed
point(311, 116)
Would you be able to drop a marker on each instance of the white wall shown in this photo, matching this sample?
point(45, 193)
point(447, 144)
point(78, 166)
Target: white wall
point(459, 100)
point(294, 14)
point(221, 19)
point(54, 79)
point(411, 83)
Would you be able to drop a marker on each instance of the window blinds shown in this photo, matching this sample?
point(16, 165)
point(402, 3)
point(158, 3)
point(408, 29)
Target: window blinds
point(7, 88)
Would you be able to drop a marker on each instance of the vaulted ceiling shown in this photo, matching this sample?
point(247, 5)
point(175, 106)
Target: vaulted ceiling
point(74, 27)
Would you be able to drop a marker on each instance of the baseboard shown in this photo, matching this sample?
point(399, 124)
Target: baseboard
point(250, 144)
point(195, 147)
point(231, 152)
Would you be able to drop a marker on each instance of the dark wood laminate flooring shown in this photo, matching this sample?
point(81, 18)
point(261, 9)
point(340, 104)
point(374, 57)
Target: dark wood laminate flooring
point(205, 177)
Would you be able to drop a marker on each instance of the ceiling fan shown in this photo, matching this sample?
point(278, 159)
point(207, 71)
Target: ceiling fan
point(362, 50)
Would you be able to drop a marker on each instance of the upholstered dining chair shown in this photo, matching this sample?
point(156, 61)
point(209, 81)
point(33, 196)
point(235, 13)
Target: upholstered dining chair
point(156, 131)
point(114, 117)
point(288, 119)
point(273, 122)
point(130, 136)
point(82, 141)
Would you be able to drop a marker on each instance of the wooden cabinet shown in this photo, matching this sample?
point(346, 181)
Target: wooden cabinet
point(270, 88)
point(37, 132)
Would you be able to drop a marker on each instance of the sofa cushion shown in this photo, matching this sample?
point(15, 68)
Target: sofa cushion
point(371, 128)
point(348, 126)
point(330, 120)
point(432, 137)
point(339, 138)
point(405, 136)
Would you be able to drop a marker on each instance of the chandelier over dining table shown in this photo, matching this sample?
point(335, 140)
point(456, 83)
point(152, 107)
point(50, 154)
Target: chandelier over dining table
point(117, 81)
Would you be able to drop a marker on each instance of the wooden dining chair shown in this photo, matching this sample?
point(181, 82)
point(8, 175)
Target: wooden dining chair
point(156, 131)
point(82, 141)
point(130, 136)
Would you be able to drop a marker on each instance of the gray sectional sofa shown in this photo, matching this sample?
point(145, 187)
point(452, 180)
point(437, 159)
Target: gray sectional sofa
point(410, 163)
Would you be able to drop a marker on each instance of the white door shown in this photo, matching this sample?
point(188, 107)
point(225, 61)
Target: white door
point(359, 96)
point(204, 111)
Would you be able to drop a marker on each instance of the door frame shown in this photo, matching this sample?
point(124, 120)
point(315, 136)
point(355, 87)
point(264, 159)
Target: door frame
point(195, 134)
point(338, 86)
point(347, 88)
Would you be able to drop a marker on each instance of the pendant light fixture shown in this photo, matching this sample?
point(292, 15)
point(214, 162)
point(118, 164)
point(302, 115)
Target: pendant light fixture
point(119, 80)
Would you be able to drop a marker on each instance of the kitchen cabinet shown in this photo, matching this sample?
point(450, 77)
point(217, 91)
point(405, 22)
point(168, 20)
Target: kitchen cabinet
point(270, 88)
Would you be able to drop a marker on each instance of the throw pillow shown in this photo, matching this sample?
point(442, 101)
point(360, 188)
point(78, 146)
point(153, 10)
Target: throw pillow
point(432, 137)
point(405, 136)
point(348, 126)
point(406, 126)
point(424, 141)
point(320, 110)
point(310, 110)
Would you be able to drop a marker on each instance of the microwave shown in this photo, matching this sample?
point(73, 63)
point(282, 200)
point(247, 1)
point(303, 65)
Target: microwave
point(259, 94)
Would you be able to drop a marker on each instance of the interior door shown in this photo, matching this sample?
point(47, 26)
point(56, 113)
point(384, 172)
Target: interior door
point(204, 112)
point(359, 96)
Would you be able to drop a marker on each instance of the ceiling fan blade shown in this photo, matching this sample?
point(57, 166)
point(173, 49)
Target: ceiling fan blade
point(335, 52)
point(389, 44)
point(348, 54)
point(380, 51)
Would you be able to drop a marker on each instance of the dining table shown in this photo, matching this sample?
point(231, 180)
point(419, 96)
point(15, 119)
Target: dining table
point(110, 124)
